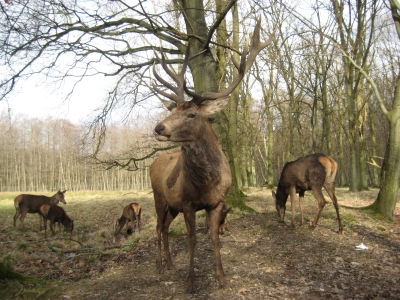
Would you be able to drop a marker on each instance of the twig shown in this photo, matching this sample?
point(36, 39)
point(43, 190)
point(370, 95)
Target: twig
point(69, 239)
point(82, 250)
point(19, 286)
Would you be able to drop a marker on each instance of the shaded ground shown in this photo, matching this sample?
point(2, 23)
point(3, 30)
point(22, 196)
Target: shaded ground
point(262, 259)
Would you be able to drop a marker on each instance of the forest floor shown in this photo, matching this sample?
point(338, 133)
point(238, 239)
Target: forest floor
point(262, 258)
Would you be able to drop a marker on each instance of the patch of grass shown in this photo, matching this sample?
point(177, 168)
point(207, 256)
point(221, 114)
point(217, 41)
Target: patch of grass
point(177, 230)
point(14, 285)
point(91, 259)
point(8, 196)
point(22, 246)
point(381, 228)
point(349, 218)
point(270, 225)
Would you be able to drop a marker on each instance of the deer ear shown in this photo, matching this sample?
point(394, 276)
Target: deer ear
point(170, 105)
point(216, 106)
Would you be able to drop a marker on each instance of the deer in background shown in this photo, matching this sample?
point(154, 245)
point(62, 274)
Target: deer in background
point(198, 175)
point(26, 203)
point(311, 172)
point(56, 214)
point(131, 213)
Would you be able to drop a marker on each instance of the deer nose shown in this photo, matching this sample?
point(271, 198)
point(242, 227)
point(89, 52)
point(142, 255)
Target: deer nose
point(159, 129)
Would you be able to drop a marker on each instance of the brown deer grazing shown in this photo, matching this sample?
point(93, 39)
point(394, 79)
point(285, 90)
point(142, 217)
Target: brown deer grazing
point(55, 213)
point(197, 176)
point(25, 203)
point(311, 172)
point(132, 212)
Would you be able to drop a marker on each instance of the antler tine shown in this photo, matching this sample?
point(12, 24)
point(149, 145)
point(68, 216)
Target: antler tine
point(179, 93)
point(243, 67)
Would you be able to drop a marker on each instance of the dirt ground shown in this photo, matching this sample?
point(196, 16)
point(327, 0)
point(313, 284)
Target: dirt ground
point(262, 259)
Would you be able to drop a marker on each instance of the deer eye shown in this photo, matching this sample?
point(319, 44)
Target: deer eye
point(191, 116)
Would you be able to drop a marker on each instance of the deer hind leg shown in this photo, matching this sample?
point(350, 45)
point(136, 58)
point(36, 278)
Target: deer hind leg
point(301, 201)
point(321, 204)
point(133, 218)
point(40, 223)
point(207, 222)
point(45, 227)
point(292, 193)
point(17, 214)
point(214, 223)
point(22, 218)
point(330, 188)
point(138, 219)
point(190, 221)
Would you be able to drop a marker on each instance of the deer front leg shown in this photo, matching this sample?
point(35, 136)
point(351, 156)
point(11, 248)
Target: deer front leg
point(292, 193)
point(165, 227)
point(190, 220)
point(214, 221)
point(158, 259)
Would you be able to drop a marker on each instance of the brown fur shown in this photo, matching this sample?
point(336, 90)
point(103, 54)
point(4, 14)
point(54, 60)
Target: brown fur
point(25, 203)
point(131, 213)
point(311, 172)
point(194, 178)
point(55, 213)
point(198, 176)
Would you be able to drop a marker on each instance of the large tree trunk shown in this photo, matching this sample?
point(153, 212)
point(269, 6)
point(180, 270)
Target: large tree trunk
point(390, 174)
point(216, 73)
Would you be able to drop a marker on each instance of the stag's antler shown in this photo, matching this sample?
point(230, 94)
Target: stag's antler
point(180, 88)
point(179, 93)
point(244, 66)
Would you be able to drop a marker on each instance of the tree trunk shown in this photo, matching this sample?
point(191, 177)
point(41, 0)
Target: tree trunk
point(390, 173)
point(204, 70)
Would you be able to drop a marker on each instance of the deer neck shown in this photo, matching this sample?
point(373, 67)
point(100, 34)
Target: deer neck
point(203, 159)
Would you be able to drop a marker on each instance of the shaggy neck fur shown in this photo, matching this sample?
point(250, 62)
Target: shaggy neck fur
point(202, 160)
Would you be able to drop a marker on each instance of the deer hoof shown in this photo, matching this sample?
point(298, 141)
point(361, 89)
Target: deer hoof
point(222, 284)
point(190, 289)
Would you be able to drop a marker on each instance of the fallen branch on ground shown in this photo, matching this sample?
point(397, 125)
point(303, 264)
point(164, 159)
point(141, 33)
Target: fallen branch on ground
point(86, 250)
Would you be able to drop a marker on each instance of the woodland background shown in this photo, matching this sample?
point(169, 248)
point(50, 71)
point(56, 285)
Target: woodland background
point(301, 96)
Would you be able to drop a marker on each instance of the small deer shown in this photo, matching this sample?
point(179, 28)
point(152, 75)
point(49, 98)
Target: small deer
point(198, 175)
point(131, 213)
point(26, 203)
point(311, 172)
point(55, 213)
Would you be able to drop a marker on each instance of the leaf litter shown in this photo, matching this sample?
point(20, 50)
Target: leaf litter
point(262, 259)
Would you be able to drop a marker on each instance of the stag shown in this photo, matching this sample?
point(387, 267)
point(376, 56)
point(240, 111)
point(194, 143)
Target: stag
point(311, 172)
point(198, 175)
